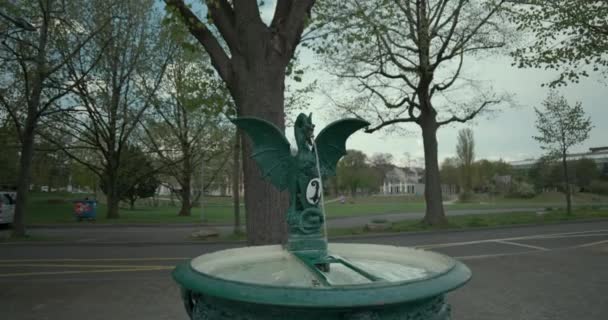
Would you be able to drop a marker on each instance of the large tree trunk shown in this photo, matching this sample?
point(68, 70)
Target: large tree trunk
point(25, 176)
point(567, 185)
point(434, 214)
point(259, 93)
point(255, 74)
point(113, 198)
point(186, 185)
point(185, 195)
point(236, 179)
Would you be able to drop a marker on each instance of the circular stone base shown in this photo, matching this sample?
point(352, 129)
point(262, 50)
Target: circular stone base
point(202, 307)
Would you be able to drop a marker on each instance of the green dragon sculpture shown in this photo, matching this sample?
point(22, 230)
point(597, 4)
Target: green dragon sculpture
point(299, 174)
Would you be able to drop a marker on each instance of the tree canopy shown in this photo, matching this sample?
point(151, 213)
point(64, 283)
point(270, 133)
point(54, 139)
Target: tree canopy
point(561, 126)
point(568, 35)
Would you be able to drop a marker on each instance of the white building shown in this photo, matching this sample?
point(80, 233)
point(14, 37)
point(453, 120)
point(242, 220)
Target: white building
point(403, 181)
point(599, 155)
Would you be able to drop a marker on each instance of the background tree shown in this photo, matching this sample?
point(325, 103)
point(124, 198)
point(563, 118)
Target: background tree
point(187, 127)
point(404, 60)
point(9, 157)
point(251, 57)
point(569, 35)
point(585, 171)
point(449, 172)
point(465, 150)
point(485, 173)
point(381, 164)
point(50, 167)
point(355, 174)
point(543, 175)
point(136, 176)
point(236, 181)
point(35, 50)
point(560, 127)
point(133, 55)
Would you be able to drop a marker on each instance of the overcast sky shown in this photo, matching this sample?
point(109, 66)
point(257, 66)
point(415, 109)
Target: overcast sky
point(505, 135)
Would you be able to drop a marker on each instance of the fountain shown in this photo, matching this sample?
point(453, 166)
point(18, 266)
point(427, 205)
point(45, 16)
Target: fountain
point(307, 278)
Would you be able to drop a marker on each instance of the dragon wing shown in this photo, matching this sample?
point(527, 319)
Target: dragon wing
point(271, 149)
point(331, 143)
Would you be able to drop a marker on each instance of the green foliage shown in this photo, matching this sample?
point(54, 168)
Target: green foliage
point(449, 172)
point(9, 156)
point(599, 187)
point(569, 35)
point(50, 167)
point(545, 173)
point(604, 172)
point(355, 174)
point(145, 188)
point(522, 189)
point(560, 125)
point(381, 49)
point(465, 150)
point(487, 176)
point(465, 196)
point(584, 172)
point(136, 176)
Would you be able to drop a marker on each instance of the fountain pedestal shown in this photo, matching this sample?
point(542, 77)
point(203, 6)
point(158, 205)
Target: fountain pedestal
point(268, 282)
point(309, 278)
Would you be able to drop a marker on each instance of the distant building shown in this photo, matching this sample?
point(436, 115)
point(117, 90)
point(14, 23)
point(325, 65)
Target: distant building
point(403, 181)
point(598, 154)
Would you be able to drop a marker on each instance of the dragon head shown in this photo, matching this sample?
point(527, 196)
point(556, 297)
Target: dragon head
point(304, 129)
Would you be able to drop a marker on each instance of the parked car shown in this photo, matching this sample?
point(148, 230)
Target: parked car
point(7, 206)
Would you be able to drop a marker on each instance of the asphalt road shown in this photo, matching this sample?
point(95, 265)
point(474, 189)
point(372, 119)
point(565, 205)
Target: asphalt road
point(529, 273)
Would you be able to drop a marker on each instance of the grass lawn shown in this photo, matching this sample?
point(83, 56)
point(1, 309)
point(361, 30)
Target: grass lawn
point(49, 208)
point(402, 204)
point(486, 220)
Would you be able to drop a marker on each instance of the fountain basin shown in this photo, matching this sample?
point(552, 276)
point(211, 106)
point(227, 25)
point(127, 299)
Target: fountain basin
point(366, 282)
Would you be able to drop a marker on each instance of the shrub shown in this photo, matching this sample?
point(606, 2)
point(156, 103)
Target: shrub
point(522, 190)
point(465, 196)
point(599, 187)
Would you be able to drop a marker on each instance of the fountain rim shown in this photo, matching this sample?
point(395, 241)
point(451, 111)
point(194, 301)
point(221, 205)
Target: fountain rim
point(371, 294)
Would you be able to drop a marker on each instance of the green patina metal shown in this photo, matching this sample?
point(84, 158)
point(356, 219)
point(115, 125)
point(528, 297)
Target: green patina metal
point(210, 294)
point(409, 300)
point(299, 175)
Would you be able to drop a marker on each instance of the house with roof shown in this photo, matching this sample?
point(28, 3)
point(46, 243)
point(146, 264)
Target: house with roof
point(399, 181)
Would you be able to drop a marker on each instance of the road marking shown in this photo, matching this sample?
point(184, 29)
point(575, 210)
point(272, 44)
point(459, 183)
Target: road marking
point(492, 255)
point(23, 274)
point(96, 259)
point(61, 265)
point(542, 236)
point(591, 244)
point(521, 245)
